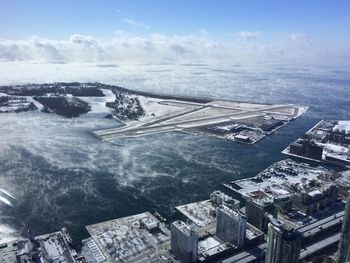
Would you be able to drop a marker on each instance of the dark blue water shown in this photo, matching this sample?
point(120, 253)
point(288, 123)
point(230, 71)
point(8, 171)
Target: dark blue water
point(61, 175)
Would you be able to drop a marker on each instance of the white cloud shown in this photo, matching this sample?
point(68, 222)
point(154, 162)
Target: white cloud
point(83, 40)
point(136, 23)
point(249, 34)
point(127, 47)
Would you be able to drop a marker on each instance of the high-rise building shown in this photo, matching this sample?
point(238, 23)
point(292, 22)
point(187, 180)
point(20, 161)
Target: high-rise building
point(184, 242)
point(220, 198)
point(231, 226)
point(344, 244)
point(258, 208)
point(283, 244)
point(311, 198)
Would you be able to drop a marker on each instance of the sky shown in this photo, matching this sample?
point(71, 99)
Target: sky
point(107, 30)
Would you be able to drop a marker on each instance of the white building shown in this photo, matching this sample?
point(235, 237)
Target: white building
point(231, 226)
point(220, 198)
point(184, 242)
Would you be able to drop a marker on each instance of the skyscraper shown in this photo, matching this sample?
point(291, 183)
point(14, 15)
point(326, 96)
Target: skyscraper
point(231, 226)
point(258, 207)
point(344, 244)
point(283, 244)
point(184, 242)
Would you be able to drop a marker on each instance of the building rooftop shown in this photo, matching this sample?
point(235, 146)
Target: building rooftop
point(232, 213)
point(282, 179)
point(53, 247)
point(332, 136)
point(129, 238)
point(183, 227)
point(260, 198)
point(250, 255)
point(200, 213)
point(207, 243)
point(342, 126)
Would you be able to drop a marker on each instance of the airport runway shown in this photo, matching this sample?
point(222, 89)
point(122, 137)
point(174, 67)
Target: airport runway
point(159, 125)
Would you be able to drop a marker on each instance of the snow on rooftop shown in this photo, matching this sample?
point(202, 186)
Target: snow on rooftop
point(183, 227)
point(315, 193)
point(344, 180)
point(54, 248)
point(342, 126)
point(336, 151)
point(339, 156)
point(278, 179)
point(125, 238)
point(230, 212)
point(200, 213)
point(95, 252)
point(250, 234)
point(330, 147)
point(207, 243)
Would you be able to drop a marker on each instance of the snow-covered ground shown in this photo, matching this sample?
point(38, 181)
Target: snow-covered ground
point(15, 103)
point(301, 110)
point(237, 105)
point(154, 108)
point(98, 104)
point(36, 103)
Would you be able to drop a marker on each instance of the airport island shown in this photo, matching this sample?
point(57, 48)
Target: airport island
point(145, 114)
point(290, 212)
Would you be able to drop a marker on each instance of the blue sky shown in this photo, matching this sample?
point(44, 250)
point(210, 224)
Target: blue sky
point(59, 19)
point(267, 22)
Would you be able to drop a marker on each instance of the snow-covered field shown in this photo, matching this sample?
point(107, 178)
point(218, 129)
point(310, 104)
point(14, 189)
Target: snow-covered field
point(98, 104)
point(154, 107)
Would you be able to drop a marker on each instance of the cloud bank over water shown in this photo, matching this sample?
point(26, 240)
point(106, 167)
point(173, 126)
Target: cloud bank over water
point(242, 45)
